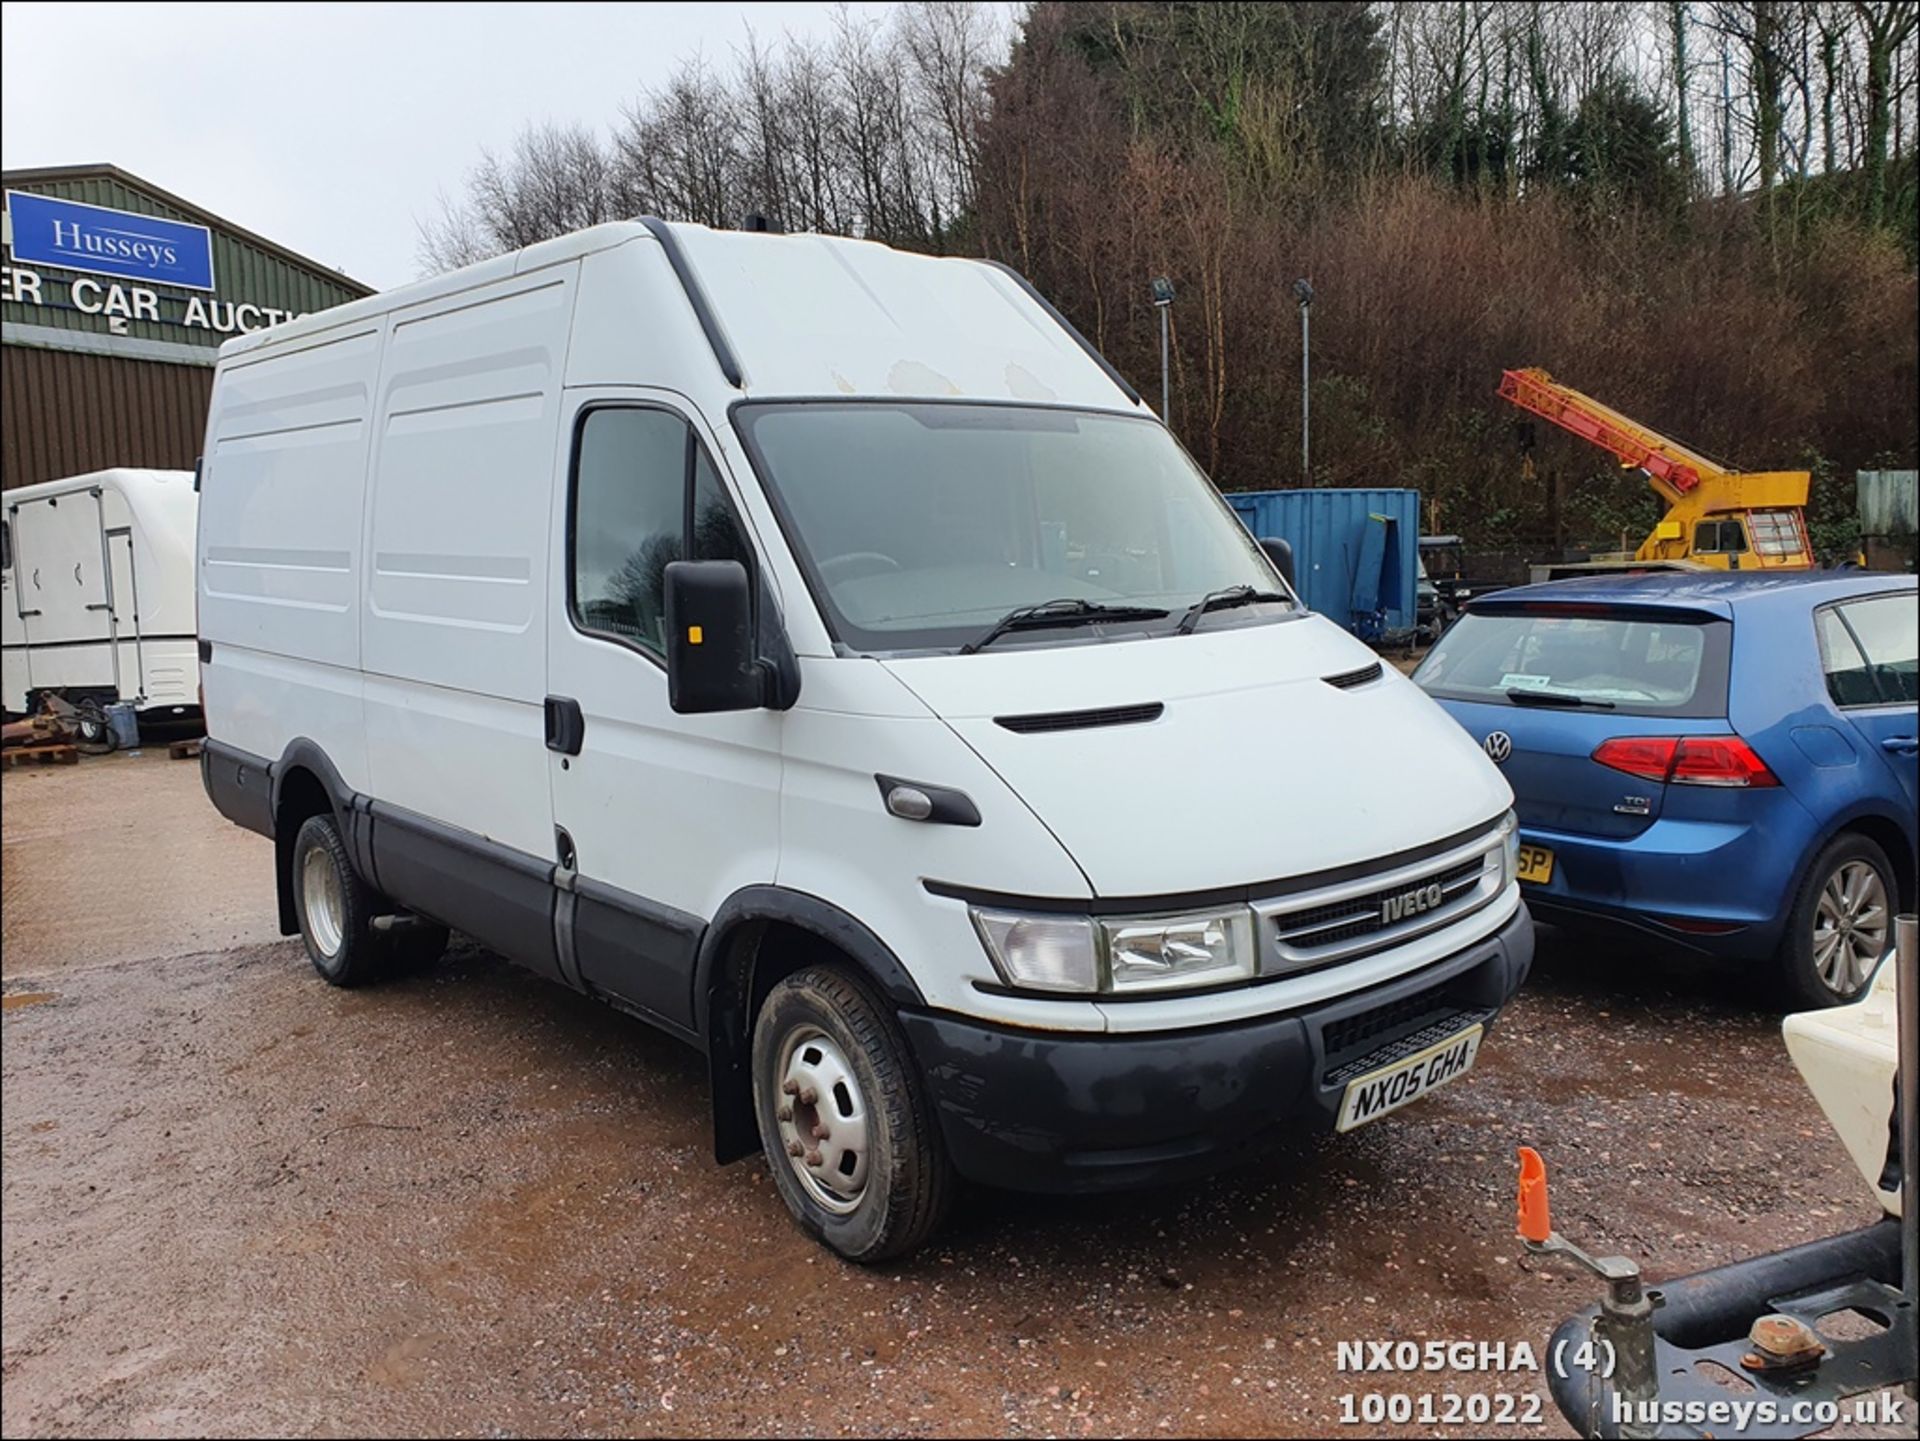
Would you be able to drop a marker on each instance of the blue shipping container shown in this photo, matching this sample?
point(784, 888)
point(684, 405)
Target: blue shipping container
point(1356, 553)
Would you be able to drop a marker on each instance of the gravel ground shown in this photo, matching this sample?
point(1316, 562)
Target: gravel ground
point(238, 1201)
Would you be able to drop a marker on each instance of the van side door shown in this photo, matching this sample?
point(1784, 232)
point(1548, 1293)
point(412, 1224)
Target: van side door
point(658, 817)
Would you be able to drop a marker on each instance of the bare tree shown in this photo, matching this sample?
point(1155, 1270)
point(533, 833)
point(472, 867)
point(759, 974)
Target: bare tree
point(1885, 28)
point(554, 179)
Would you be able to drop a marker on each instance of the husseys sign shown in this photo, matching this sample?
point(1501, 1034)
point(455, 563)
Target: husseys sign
point(127, 248)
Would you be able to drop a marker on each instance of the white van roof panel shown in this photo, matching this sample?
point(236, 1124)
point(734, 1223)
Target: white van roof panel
point(816, 315)
point(819, 315)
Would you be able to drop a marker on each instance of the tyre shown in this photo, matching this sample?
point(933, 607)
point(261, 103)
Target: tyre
point(91, 731)
point(1840, 926)
point(335, 907)
point(851, 1139)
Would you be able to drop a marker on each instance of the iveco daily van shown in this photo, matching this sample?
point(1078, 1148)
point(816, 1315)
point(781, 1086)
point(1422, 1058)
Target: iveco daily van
point(819, 652)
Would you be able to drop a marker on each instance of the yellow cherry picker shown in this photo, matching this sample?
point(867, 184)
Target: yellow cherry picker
point(1716, 519)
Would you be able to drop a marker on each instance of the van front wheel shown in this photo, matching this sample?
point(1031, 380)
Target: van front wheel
point(852, 1142)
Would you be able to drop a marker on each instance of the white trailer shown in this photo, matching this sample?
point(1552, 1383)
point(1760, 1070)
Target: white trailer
point(98, 604)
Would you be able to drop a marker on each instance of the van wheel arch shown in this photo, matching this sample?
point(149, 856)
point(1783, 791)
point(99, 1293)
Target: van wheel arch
point(305, 784)
point(760, 936)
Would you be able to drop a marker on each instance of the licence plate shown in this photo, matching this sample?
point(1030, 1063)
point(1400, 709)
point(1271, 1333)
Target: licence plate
point(1371, 1096)
point(1536, 865)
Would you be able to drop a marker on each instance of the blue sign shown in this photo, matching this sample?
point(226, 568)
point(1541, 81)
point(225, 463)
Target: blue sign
point(67, 233)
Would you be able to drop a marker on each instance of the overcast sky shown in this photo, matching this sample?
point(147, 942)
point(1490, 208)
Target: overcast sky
point(330, 128)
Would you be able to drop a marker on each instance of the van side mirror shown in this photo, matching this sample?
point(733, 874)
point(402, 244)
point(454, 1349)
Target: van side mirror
point(1280, 552)
point(710, 655)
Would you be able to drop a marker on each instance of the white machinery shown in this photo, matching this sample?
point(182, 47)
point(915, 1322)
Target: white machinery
point(1652, 1361)
point(98, 604)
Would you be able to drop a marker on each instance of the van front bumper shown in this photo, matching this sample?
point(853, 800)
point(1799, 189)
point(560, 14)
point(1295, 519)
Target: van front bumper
point(1051, 1111)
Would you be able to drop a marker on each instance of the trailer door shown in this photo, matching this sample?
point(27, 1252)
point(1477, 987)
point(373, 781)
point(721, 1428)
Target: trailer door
point(16, 676)
point(123, 590)
point(61, 570)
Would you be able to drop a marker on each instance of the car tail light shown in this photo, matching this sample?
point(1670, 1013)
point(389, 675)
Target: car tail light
point(1649, 757)
point(1687, 760)
point(1720, 761)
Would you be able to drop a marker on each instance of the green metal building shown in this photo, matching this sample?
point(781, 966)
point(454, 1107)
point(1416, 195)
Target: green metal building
point(106, 358)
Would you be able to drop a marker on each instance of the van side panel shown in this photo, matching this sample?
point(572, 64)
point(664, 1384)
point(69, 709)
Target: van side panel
point(281, 495)
point(454, 624)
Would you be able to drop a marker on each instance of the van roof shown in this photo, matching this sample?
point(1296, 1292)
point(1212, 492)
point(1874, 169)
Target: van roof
point(817, 315)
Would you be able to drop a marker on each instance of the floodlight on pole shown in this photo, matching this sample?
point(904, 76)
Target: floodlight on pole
point(1163, 302)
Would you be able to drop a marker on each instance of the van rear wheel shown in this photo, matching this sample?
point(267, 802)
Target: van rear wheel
point(335, 907)
point(850, 1137)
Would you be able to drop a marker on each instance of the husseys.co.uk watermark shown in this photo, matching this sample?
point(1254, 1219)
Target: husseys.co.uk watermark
point(1497, 1408)
point(1735, 1417)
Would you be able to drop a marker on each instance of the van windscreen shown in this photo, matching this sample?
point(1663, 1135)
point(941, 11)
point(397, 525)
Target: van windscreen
point(921, 525)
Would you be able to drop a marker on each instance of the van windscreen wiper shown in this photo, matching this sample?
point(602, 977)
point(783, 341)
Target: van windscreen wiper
point(1069, 610)
point(1549, 697)
point(1220, 600)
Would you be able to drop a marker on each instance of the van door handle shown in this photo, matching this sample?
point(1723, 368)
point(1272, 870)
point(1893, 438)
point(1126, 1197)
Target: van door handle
point(566, 726)
point(1901, 745)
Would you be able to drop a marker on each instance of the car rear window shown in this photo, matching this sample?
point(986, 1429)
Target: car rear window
point(1636, 665)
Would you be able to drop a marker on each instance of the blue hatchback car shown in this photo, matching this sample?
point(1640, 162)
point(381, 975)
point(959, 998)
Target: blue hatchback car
point(1729, 762)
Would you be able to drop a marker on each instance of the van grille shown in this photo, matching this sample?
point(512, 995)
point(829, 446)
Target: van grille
point(1075, 720)
point(1393, 1032)
point(1343, 920)
point(1349, 920)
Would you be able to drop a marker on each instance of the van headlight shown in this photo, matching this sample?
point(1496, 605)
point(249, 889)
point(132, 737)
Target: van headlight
point(1119, 954)
point(1509, 849)
point(1168, 951)
point(1041, 953)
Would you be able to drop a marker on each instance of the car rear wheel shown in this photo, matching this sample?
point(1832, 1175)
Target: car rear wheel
point(853, 1144)
point(1841, 926)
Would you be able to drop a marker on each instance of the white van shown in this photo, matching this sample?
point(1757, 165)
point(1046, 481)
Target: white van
point(819, 652)
point(98, 574)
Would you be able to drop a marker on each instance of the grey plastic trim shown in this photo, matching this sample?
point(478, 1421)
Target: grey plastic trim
point(697, 297)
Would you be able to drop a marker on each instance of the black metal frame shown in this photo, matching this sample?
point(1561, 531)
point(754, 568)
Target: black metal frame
point(1704, 1318)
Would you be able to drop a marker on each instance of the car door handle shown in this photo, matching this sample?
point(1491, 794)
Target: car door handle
point(1901, 745)
point(566, 726)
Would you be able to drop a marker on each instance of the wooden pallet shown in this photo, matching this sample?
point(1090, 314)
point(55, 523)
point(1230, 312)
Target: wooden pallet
point(45, 755)
point(184, 750)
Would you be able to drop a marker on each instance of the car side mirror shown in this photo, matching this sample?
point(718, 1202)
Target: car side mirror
point(1280, 552)
point(710, 653)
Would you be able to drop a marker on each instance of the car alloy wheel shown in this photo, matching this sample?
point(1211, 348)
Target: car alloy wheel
point(1850, 926)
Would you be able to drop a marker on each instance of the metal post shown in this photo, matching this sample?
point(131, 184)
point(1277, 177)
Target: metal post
point(1306, 397)
point(1162, 292)
point(1906, 957)
point(1166, 382)
point(1303, 292)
